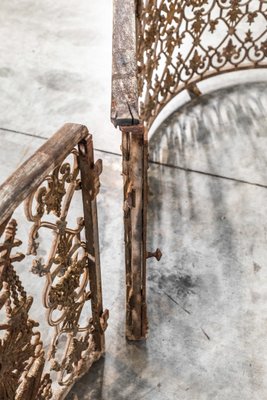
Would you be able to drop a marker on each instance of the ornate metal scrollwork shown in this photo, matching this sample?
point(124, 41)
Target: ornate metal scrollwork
point(183, 42)
point(66, 269)
point(49, 198)
point(71, 278)
point(22, 355)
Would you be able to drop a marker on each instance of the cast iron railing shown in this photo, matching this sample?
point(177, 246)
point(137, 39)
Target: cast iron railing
point(180, 43)
point(161, 47)
point(43, 364)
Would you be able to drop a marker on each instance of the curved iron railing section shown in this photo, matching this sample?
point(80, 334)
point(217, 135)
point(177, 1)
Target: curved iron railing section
point(183, 42)
point(69, 274)
point(161, 47)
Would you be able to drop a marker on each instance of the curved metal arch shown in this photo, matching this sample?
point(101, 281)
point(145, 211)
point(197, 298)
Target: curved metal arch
point(180, 44)
point(194, 90)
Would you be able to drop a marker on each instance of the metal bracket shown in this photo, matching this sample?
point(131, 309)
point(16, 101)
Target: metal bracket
point(156, 254)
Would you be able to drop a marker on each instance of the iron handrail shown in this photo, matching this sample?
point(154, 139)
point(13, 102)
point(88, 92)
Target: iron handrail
point(33, 171)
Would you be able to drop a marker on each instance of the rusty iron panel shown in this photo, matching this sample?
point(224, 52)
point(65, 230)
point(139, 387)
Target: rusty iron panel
point(70, 276)
point(183, 42)
point(171, 46)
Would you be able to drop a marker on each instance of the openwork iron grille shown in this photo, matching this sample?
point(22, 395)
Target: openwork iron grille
point(182, 42)
point(161, 47)
point(35, 366)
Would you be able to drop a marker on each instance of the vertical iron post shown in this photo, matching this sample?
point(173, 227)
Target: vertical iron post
point(90, 172)
point(134, 152)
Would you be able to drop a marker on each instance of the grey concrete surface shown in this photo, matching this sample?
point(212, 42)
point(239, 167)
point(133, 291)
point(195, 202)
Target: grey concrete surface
point(207, 210)
point(224, 133)
point(55, 67)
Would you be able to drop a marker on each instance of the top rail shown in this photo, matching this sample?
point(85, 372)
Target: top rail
point(124, 106)
point(33, 171)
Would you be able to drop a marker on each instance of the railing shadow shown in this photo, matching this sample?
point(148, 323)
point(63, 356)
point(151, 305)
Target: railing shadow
point(232, 119)
point(187, 195)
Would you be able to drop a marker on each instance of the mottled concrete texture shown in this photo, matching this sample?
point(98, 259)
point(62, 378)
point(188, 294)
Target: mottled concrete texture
point(55, 66)
point(207, 209)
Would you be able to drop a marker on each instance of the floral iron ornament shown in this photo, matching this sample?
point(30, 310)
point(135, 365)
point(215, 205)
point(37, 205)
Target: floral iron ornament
point(182, 42)
point(161, 47)
point(70, 276)
point(67, 268)
point(22, 355)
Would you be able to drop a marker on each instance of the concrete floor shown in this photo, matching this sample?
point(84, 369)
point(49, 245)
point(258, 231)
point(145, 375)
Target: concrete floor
point(55, 67)
point(207, 209)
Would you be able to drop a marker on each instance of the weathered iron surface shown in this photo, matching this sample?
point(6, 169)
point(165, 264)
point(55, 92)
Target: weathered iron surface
point(134, 176)
point(124, 104)
point(164, 47)
point(21, 348)
point(70, 273)
point(184, 42)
